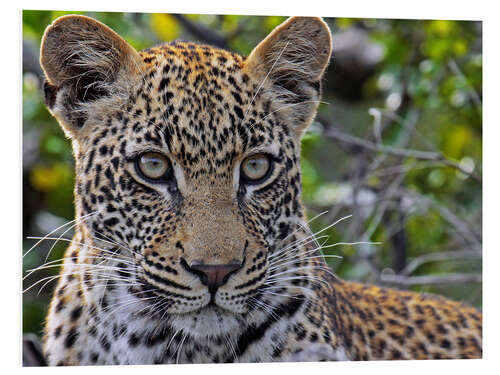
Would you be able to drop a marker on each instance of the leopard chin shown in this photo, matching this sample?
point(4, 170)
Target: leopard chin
point(208, 322)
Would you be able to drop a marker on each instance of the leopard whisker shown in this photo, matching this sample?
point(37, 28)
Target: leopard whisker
point(172, 338)
point(313, 235)
point(302, 242)
point(150, 306)
point(61, 236)
point(54, 263)
point(127, 301)
point(157, 307)
point(73, 241)
point(293, 270)
point(303, 289)
point(306, 225)
point(50, 278)
point(79, 265)
point(111, 310)
point(111, 241)
point(179, 349)
point(301, 256)
point(282, 265)
point(77, 221)
point(281, 295)
point(231, 345)
point(292, 247)
point(165, 309)
point(265, 307)
point(301, 277)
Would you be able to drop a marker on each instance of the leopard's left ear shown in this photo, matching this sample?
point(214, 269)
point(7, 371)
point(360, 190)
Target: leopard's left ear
point(86, 65)
point(293, 58)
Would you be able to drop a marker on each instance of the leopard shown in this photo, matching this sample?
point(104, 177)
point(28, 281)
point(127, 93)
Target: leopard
point(191, 242)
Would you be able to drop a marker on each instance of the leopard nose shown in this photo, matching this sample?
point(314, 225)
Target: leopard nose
point(214, 275)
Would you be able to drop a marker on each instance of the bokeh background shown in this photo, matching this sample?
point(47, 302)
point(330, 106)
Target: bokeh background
point(397, 144)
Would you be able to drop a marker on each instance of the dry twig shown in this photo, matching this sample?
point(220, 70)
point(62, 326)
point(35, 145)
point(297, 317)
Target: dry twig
point(332, 133)
point(453, 278)
point(434, 257)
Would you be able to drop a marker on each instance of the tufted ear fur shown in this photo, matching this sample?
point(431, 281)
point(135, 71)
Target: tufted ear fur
point(85, 64)
point(293, 58)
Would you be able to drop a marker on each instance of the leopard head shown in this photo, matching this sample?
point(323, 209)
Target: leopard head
point(187, 159)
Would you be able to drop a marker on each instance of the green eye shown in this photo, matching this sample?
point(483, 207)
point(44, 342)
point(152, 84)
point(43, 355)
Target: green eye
point(255, 167)
point(154, 166)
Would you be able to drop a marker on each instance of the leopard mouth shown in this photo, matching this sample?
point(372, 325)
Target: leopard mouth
point(163, 302)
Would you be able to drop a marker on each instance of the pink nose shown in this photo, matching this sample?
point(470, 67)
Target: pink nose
point(215, 275)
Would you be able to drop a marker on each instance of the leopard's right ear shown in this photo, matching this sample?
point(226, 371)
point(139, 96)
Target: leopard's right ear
point(293, 58)
point(87, 65)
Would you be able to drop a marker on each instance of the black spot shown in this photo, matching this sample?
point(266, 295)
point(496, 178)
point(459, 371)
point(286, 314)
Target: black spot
point(60, 305)
point(133, 340)
point(111, 222)
point(105, 343)
point(409, 332)
point(441, 329)
point(57, 331)
point(115, 161)
point(300, 332)
point(239, 112)
point(420, 322)
point(76, 313)
point(71, 338)
point(163, 84)
point(94, 357)
point(396, 354)
point(277, 351)
point(445, 344)
point(50, 93)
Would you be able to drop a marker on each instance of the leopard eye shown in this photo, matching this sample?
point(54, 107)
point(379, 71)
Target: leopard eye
point(255, 168)
point(154, 166)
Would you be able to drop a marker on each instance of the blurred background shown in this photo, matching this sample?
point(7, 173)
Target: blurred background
point(397, 144)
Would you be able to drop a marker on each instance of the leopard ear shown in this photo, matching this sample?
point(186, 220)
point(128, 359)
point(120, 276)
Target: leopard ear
point(293, 58)
point(85, 64)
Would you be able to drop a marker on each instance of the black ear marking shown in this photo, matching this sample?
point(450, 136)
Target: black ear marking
point(316, 86)
point(49, 93)
point(87, 88)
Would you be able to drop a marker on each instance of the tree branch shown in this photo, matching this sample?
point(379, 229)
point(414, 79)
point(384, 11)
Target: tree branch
point(202, 32)
point(462, 227)
point(332, 133)
point(434, 257)
point(474, 96)
point(431, 279)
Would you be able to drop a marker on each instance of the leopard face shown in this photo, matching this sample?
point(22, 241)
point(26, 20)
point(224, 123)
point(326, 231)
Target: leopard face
point(187, 164)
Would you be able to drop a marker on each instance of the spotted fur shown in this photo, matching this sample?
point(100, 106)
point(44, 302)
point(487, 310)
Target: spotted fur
point(127, 292)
